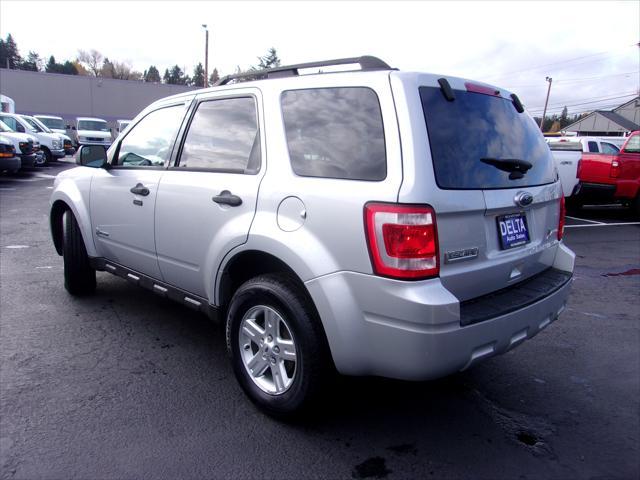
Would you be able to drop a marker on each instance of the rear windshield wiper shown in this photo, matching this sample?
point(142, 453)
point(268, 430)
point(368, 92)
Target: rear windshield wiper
point(516, 167)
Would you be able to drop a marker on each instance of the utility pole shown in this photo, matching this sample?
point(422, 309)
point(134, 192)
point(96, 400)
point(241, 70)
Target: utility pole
point(206, 56)
point(548, 79)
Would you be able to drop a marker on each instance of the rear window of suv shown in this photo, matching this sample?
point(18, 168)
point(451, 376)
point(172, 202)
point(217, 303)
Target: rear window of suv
point(476, 127)
point(335, 133)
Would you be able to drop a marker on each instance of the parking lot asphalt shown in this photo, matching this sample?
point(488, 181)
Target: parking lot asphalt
point(125, 384)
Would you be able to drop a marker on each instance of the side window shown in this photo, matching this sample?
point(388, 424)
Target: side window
point(633, 145)
point(223, 136)
point(335, 133)
point(593, 147)
point(609, 148)
point(10, 122)
point(149, 143)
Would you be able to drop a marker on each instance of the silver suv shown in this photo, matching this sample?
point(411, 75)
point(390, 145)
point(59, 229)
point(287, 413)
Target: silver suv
point(375, 222)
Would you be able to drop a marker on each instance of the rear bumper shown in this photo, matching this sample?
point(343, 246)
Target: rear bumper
point(595, 192)
point(412, 330)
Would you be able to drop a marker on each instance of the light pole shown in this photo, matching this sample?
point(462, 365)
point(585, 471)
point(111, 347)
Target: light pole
point(206, 56)
point(544, 113)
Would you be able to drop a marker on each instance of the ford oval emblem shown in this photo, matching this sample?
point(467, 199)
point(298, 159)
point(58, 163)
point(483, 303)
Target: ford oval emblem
point(523, 199)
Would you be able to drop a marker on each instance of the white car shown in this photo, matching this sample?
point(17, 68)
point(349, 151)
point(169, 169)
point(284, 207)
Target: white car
point(52, 144)
point(120, 126)
point(24, 145)
point(92, 131)
point(606, 145)
point(41, 127)
point(56, 125)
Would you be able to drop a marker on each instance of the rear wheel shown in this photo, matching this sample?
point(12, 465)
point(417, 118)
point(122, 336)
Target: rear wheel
point(277, 345)
point(79, 276)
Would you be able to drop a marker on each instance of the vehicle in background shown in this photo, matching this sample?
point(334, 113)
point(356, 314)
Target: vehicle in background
point(25, 145)
point(50, 143)
point(92, 131)
point(120, 126)
point(7, 104)
point(566, 156)
point(41, 127)
point(605, 179)
point(608, 145)
point(9, 161)
point(57, 125)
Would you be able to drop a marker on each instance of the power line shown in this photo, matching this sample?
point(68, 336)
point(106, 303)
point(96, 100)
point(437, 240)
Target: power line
point(571, 60)
point(575, 80)
point(590, 100)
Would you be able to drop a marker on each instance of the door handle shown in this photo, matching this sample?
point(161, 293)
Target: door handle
point(227, 198)
point(140, 189)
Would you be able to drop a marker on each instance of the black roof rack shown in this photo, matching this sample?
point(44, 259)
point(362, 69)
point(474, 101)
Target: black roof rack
point(367, 63)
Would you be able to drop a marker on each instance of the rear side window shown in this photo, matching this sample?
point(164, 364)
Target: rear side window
point(335, 133)
point(475, 138)
point(593, 147)
point(223, 136)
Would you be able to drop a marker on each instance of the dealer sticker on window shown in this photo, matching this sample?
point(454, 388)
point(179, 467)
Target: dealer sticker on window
point(513, 230)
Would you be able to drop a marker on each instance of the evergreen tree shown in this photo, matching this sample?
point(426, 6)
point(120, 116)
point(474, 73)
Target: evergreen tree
point(198, 76)
point(176, 76)
point(9, 55)
point(214, 77)
point(152, 75)
point(166, 76)
point(69, 68)
point(33, 62)
point(270, 60)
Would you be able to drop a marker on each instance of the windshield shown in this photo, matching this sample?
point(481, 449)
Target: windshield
point(56, 123)
point(34, 125)
point(4, 127)
point(94, 125)
point(40, 124)
point(480, 141)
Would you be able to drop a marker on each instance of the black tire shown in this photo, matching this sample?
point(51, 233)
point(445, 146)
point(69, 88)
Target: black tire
point(79, 276)
point(47, 155)
point(313, 367)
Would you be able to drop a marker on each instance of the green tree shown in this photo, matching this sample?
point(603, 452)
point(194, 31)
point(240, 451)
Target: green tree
point(176, 76)
point(198, 76)
point(214, 77)
point(151, 75)
point(69, 68)
point(33, 62)
point(270, 60)
point(9, 54)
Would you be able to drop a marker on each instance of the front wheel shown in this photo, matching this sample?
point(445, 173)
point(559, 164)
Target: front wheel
point(277, 345)
point(79, 276)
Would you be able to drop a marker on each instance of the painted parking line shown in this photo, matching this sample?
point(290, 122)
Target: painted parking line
point(603, 225)
point(582, 219)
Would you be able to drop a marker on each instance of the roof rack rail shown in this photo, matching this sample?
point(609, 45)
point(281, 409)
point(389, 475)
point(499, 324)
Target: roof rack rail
point(367, 63)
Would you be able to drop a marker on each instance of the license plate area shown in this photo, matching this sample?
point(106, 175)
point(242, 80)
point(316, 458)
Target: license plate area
point(512, 230)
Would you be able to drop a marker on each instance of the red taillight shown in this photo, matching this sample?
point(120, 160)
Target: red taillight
point(561, 219)
point(475, 88)
point(615, 169)
point(579, 169)
point(403, 240)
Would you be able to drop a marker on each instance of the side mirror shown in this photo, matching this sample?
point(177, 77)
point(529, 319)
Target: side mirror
point(68, 127)
point(94, 156)
point(19, 128)
point(73, 128)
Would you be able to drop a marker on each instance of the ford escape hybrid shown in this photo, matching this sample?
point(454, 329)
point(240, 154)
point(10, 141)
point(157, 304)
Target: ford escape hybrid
point(374, 221)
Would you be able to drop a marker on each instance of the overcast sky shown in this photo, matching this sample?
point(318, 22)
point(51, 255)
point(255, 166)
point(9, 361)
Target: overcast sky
point(588, 48)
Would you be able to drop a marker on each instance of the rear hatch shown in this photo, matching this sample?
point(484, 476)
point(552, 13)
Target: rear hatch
point(496, 192)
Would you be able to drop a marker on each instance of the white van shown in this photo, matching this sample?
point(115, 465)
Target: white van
point(52, 144)
point(92, 131)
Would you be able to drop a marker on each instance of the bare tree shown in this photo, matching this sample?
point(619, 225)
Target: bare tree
point(92, 61)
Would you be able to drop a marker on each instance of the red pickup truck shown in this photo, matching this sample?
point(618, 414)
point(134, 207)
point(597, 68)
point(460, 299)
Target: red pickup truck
point(610, 178)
